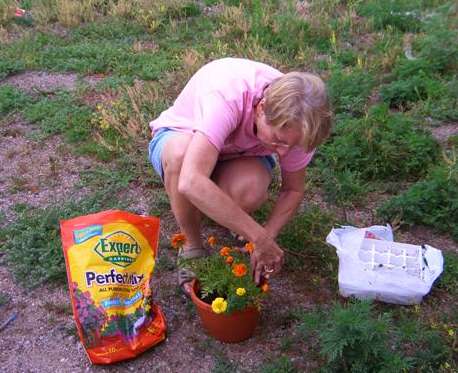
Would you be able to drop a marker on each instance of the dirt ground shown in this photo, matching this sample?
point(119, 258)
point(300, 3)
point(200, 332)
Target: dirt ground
point(42, 337)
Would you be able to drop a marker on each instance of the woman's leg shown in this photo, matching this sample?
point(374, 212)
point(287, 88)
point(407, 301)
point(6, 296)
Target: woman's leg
point(245, 179)
point(187, 215)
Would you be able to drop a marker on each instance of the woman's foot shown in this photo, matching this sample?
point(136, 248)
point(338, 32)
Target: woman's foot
point(185, 275)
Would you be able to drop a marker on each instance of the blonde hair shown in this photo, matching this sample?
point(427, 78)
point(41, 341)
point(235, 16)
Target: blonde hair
point(300, 99)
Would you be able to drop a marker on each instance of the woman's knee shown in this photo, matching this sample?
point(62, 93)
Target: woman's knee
point(174, 153)
point(249, 195)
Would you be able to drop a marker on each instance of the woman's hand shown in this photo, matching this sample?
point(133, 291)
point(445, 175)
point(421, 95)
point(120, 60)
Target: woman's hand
point(266, 259)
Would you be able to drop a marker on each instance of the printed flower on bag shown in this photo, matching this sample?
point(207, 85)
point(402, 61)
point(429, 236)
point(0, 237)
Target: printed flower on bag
point(178, 240)
point(219, 305)
point(223, 280)
point(239, 270)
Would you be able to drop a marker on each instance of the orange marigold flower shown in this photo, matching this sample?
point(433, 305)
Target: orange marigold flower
point(229, 259)
point(178, 240)
point(212, 240)
point(265, 287)
point(239, 270)
point(249, 246)
point(225, 251)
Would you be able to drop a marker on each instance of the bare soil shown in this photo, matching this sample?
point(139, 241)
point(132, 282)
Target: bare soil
point(43, 338)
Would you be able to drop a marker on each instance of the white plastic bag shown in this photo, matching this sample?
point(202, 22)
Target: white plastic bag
point(372, 265)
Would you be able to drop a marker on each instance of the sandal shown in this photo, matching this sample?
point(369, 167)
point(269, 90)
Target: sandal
point(185, 275)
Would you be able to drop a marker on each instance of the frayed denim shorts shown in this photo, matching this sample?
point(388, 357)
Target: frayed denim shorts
point(162, 135)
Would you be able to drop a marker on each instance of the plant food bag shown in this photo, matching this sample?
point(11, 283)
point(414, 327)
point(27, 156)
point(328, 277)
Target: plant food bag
point(110, 258)
point(373, 266)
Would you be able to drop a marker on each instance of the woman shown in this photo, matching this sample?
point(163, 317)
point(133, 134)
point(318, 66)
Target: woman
point(213, 150)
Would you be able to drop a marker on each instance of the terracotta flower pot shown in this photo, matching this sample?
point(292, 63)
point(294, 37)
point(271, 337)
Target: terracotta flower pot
point(234, 327)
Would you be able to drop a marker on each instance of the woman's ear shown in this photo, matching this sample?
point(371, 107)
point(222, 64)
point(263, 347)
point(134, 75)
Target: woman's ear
point(260, 107)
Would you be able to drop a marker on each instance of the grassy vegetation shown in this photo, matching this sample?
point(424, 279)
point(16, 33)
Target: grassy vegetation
point(432, 201)
point(356, 337)
point(32, 244)
point(391, 72)
point(11, 99)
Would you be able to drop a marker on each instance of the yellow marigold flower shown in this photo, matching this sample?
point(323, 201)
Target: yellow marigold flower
point(225, 251)
point(240, 292)
point(211, 240)
point(219, 305)
point(249, 246)
point(229, 259)
point(239, 270)
point(178, 240)
point(147, 308)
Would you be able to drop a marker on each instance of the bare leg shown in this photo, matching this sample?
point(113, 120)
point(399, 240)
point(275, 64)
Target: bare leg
point(187, 215)
point(245, 179)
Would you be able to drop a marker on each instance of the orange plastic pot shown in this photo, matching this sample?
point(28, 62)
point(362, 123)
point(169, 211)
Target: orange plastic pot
point(230, 328)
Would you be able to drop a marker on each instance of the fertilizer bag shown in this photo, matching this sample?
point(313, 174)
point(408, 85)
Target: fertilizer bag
point(372, 265)
point(110, 258)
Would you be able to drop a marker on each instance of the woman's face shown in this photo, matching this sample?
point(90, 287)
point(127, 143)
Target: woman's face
point(278, 140)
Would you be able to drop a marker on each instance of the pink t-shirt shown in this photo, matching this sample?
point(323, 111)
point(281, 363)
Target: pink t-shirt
point(219, 101)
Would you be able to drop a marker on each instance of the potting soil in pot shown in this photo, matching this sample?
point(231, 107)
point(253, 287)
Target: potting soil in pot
point(110, 259)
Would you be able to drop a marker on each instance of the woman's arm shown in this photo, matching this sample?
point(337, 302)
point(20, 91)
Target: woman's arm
point(291, 195)
point(195, 183)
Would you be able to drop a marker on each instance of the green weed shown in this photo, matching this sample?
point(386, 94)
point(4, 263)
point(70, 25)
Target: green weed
point(439, 45)
point(4, 298)
point(280, 365)
point(352, 339)
point(349, 91)
point(61, 114)
point(418, 79)
point(9, 65)
point(305, 236)
point(12, 99)
point(443, 107)
point(7, 9)
point(223, 365)
point(401, 93)
point(32, 243)
point(449, 278)
point(345, 188)
point(405, 15)
point(164, 263)
point(65, 115)
point(159, 203)
point(123, 123)
point(426, 348)
point(432, 202)
point(381, 146)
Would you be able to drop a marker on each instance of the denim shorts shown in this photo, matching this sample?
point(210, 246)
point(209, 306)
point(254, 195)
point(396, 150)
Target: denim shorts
point(160, 138)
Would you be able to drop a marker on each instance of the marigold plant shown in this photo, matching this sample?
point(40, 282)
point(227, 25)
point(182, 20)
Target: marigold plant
point(225, 281)
point(239, 270)
point(178, 240)
point(212, 241)
point(249, 247)
point(225, 251)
